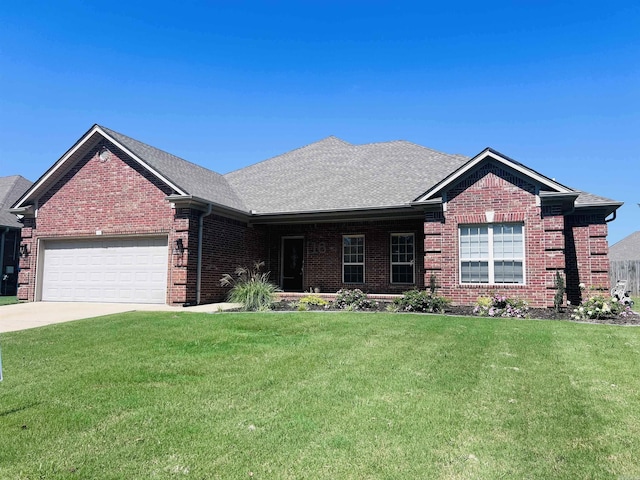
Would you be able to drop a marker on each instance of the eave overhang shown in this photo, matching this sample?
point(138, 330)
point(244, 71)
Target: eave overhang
point(201, 204)
point(566, 200)
point(407, 211)
point(27, 211)
point(605, 207)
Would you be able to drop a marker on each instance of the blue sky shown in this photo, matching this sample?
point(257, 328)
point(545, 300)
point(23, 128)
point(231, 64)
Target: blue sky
point(554, 85)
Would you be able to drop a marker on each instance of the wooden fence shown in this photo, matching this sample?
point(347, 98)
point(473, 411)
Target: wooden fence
point(628, 270)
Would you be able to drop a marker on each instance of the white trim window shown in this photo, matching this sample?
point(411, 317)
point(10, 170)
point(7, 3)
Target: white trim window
point(353, 258)
point(402, 258)
point(492, 254)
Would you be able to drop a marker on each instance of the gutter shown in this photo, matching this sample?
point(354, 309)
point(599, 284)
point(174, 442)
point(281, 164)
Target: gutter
point(199, 265)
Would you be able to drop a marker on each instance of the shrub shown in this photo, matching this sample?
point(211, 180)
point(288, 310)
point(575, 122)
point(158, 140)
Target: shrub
point(600, 306)
point(500, 306)
point(250, 287)
point(420, 301)
point(352, 300)
point(313, 300)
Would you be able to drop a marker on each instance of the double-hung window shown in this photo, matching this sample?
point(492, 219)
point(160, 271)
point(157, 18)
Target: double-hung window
point(353, 258)
point(492, 254)
point(402, 258)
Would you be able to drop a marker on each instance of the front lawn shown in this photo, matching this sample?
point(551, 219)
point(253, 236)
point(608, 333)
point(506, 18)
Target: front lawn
point(8, 300)
point(320, 396)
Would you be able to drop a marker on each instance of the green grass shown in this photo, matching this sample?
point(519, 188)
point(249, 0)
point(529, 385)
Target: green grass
point(8, 300)
point(319, 396)
point(636, 304)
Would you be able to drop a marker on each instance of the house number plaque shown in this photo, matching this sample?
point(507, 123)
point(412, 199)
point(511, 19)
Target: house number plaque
point(317, 248)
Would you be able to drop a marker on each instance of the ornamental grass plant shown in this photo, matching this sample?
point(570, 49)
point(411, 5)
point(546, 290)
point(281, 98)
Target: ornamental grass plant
point(250, 287)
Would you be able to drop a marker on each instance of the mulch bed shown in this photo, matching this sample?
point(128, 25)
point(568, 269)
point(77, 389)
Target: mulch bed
point(551, 314)
point(537, 313)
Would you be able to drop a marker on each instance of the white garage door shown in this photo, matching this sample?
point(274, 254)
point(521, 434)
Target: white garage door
point(114, 270)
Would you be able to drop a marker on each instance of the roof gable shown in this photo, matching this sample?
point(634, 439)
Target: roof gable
point(183, 177)
point(489, 154)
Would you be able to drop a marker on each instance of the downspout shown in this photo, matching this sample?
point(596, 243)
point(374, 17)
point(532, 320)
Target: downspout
point(199, 266)
point(615, 214)
point(4, 286)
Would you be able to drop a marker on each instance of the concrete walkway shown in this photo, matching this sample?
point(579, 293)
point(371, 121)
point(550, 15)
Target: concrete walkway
point(22, 316)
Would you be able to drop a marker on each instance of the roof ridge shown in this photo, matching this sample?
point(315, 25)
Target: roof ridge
point(317, 142)
point(409, 142)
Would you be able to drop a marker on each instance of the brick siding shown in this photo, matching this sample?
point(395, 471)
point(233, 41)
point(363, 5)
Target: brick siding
point(323, 254)
point(577, 247)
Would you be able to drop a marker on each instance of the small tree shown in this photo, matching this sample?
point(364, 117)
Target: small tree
point(558, 298)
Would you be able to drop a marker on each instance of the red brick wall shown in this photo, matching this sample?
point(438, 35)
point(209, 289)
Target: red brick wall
point(492, 188)
point(587, 255)
point(323, 254)
point(227, 244)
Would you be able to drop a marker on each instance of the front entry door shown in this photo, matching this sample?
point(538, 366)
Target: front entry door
point(292, 264)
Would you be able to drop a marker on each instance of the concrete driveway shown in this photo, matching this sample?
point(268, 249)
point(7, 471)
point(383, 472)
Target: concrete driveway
point(22, 316)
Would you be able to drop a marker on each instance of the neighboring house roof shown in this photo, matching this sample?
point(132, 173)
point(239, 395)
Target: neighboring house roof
point(626, 249)
point(330, 175)
point(11, 189)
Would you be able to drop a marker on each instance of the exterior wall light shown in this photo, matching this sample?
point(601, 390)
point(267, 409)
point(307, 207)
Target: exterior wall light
point(178, 250)
point(24, 250)
point(179, 247)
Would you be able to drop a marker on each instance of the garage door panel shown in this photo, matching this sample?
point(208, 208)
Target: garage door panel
point(106, 270)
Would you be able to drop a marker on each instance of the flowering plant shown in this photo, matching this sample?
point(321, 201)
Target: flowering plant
point(599, 306)
point(501, 306)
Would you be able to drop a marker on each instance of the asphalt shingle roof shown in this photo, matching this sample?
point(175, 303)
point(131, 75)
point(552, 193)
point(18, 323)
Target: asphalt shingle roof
point(328, 175)
point(11, 189)
point(586, 198)
point(194, 179)
point(335, 175)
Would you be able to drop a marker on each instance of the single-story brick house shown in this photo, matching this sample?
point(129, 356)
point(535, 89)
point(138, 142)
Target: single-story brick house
point(11, 189)
point(117, 220)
